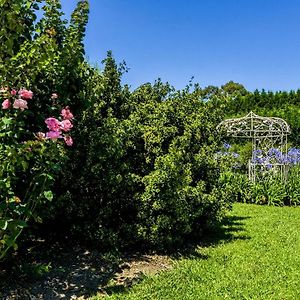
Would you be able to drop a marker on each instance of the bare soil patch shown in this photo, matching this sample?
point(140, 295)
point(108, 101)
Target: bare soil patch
point(56, 272)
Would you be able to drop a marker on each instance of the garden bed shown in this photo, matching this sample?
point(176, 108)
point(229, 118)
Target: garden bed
point(60, 272)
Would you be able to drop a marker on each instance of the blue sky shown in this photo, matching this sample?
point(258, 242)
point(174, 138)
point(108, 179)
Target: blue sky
point(256, 43)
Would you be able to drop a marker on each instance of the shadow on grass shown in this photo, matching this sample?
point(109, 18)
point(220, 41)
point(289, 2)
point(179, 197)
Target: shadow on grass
point(230, 229)
point(68, 271)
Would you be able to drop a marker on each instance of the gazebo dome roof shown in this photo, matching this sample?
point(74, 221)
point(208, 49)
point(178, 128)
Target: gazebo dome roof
point(253, 125)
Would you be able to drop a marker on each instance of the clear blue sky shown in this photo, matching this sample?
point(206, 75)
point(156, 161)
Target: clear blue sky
point(253, 42)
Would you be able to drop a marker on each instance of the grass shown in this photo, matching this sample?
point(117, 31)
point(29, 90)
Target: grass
point(257, 256)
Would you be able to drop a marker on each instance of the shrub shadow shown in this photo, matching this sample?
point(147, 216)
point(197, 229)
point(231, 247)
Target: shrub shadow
point(230, 229)
point(59, 273)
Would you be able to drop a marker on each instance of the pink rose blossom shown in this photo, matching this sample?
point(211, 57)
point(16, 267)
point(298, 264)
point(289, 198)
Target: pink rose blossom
point(53, 124)
point(53, 135)
point(66, 125)
point(5, 104)
point(20, 104)
point(68, 140)
point(66, 113)
point(26, 94)
point(13, 92)
point(54, 96)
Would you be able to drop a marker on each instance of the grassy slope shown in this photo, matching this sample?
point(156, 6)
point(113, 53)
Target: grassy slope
point(257, 257)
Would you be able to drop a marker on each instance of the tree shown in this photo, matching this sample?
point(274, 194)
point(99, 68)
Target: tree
point(233, 88)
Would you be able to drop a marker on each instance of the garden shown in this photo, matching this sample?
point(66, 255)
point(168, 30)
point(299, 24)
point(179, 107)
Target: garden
point(109, 192)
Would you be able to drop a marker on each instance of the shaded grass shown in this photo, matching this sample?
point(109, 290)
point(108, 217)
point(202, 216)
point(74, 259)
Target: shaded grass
point(257, 257)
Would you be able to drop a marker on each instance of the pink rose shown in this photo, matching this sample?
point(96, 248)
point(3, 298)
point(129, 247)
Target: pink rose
point(20, 104)
point(53, 135)
point(53, 124)
point(13, 92)
point(5, 104)
point(25, 94)
point(66, 125)
point(68, 140)
point(54, 96)
point(66, 113)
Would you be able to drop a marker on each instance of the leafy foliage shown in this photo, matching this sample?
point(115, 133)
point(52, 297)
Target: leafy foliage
point(145, 161)
point(46, 56)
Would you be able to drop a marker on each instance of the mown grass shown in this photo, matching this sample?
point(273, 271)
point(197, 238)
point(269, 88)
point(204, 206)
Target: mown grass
point(257, 257)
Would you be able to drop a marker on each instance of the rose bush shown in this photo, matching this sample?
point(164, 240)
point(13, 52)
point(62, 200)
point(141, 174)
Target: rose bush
point(28, 164)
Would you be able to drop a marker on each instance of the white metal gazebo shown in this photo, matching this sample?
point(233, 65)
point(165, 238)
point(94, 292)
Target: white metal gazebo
point(265, 132)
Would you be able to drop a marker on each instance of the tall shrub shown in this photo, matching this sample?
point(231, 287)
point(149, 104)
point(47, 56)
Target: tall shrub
point(143, 169)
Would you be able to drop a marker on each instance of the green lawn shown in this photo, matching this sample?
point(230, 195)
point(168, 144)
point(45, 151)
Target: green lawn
point(257, 257)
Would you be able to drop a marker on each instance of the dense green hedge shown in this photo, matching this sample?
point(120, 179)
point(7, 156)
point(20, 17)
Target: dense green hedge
point(143, 169)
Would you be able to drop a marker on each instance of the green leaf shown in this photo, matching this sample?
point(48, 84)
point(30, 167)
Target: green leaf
point(48, 195)
point(3, 224)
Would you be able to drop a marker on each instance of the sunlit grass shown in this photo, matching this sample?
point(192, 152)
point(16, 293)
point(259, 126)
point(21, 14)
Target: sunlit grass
point(257, 257)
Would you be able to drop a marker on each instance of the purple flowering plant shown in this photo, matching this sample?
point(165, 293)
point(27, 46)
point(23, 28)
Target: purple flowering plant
point(274, 156)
